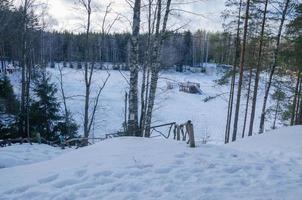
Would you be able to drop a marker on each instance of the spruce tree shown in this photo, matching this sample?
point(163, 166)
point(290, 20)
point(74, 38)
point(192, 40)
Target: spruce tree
point(44, 112)
point(9, 107)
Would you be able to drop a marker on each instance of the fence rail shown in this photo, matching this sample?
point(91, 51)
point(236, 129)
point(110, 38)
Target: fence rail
point(178, 130)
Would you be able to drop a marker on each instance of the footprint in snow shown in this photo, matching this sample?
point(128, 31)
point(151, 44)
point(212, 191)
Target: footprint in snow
point(64, 183)
point(232, 170)
point(162, 170)
point(103, 173)
point(80, 173)
point(48, 179)
point(18, 189)
point(182, 155)
point(179, 162)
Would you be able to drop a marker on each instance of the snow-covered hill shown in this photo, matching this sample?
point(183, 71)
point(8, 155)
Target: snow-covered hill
point(17, 154)
point(141, 168)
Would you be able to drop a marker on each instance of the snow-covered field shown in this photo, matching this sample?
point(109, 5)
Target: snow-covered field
point(263, 167)
point(171, 105)
point(209, 118)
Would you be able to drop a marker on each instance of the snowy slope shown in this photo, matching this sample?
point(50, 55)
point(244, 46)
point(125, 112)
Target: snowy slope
point(26, 154)
point(140, 168)
point(283, 143)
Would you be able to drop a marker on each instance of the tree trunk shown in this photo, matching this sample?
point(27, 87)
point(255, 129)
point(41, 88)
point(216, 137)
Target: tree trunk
point(231, 94)
point(22, 120)
point(258, 70)
point(276, 54)
point(87, 73)
point(242, 56)
point(247, 101)
point(298, 102)
point(159, 37)
point(292, 120)
point(134, 68)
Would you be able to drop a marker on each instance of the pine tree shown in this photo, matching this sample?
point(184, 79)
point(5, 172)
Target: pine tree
point(294, 32)
point(44, 112)
point(9, 107)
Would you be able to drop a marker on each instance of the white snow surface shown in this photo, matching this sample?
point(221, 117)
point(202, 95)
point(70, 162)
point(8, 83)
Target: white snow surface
point(26, 154)
point(142, 168)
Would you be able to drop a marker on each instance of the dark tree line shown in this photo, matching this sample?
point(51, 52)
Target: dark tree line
point(37, 110)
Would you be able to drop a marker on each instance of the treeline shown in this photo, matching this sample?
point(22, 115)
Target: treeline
point(179, 48)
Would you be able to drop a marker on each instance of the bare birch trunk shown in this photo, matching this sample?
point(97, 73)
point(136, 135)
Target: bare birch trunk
point(86, 68)
point(159, 37)
point(133, 129)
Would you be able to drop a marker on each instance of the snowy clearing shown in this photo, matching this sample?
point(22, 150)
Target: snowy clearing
point(142, 168)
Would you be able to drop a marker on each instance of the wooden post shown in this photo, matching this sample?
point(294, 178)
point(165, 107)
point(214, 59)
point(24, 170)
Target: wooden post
point(190, 130)
point(125, 113)
point(174, 131)
point(178, 133)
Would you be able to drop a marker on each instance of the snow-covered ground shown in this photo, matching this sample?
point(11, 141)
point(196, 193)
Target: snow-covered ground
point(209, 118)
point(142, 168)
point(26, 154)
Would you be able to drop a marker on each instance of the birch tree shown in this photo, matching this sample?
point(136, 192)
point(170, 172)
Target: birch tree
point(133, 129)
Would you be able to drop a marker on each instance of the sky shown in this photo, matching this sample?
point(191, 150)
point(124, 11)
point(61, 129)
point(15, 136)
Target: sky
point(69, 15)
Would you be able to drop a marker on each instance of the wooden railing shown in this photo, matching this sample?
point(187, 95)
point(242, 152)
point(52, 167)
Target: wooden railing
point(184, 130)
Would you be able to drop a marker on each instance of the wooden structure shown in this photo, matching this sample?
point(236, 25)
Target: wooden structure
point(184, 130)
point(181, 130)
point(190, 87)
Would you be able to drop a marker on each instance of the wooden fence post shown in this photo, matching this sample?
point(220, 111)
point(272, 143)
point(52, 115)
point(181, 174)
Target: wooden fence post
point(190, 129)
point(178, 133)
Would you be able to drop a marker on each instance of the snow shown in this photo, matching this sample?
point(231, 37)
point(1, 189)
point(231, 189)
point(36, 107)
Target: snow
point(26, 154)
point(209, 118)
point(283, 142)
point(142, 168)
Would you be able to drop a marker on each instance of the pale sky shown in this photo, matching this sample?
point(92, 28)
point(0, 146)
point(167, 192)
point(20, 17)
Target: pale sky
point(67, 14)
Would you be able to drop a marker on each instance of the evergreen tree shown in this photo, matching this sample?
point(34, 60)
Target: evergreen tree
point(187, 49)
point(10, 103)
point(294, 52)
point(9, 107)
point(44, 113)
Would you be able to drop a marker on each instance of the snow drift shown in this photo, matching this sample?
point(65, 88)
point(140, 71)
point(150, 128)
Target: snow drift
point(141, 168)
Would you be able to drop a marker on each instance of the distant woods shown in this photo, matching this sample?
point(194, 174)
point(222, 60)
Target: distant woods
point(179, 48)
point(184, 48)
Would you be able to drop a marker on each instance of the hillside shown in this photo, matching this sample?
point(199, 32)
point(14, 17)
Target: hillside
point(141, 168)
